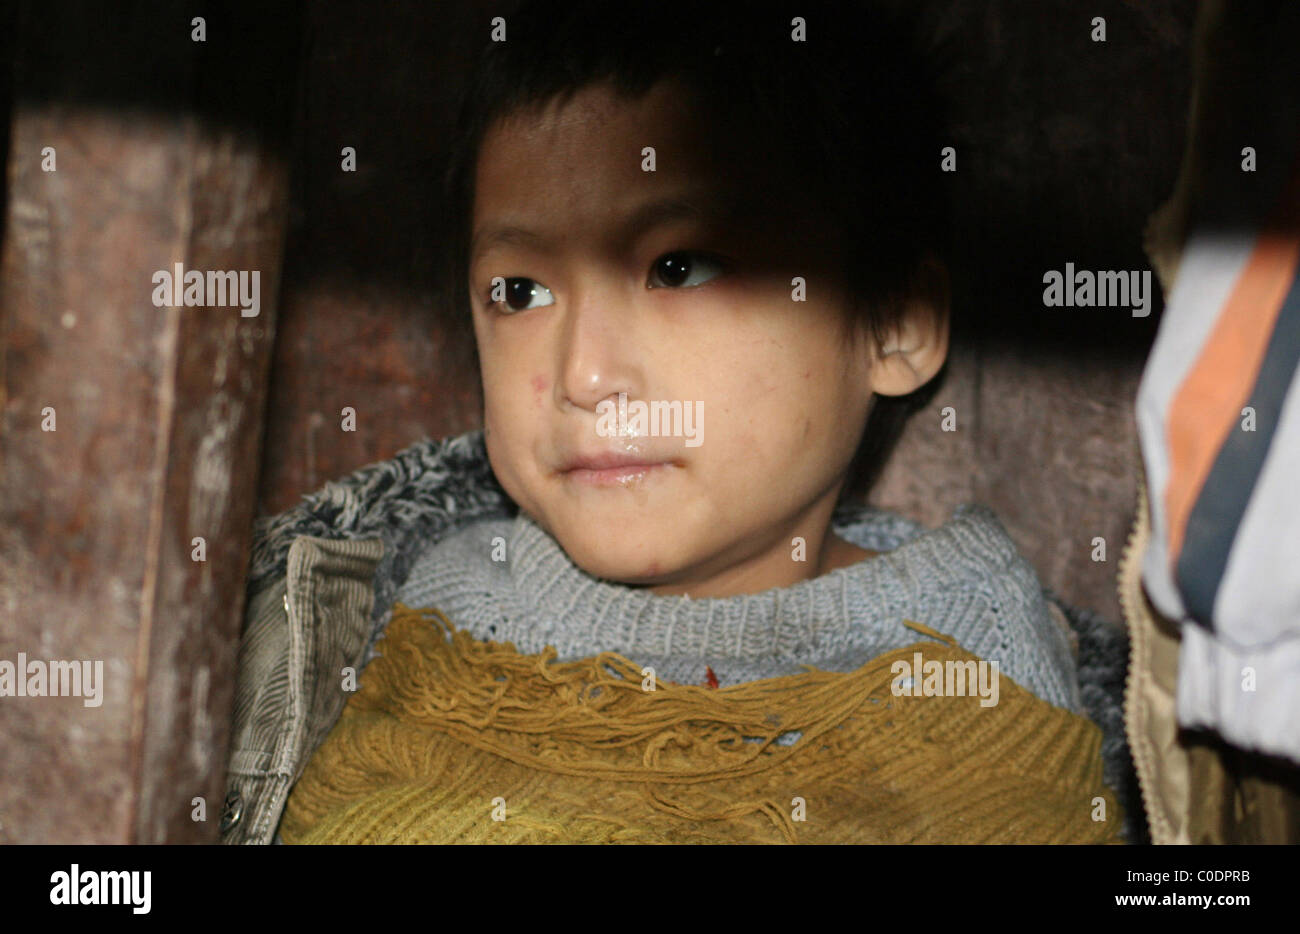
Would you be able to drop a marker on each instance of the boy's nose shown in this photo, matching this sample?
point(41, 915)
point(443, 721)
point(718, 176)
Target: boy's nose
point(601, 352)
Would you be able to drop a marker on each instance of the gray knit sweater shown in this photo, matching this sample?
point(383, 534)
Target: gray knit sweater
point(965, 579)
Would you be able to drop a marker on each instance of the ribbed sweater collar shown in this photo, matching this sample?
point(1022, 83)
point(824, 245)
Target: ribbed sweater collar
point(964, 552)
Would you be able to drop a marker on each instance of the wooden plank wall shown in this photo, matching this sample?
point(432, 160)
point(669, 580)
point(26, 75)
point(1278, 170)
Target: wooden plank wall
point(131, 430)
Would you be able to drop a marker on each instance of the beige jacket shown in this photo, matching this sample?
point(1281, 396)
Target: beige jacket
point(1195, 789)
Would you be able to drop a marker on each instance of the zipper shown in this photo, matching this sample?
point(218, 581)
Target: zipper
point(1131, 600)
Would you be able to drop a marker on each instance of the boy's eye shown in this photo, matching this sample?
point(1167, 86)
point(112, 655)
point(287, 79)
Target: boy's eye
point(683, 269)
point(677, 270)
point(520, 293)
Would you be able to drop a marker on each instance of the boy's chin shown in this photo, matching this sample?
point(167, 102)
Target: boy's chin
point(635, 568)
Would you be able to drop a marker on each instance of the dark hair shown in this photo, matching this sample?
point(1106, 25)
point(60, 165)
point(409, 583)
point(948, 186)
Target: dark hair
point(850, 118)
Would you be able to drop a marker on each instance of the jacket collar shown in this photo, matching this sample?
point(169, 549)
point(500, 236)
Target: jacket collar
point(408, 501)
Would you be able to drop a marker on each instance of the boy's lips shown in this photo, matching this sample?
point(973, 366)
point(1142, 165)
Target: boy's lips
point(610, 468)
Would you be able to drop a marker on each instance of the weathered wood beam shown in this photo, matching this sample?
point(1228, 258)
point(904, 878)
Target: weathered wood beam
point(130, 431)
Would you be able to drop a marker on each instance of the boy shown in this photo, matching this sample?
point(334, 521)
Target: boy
point(730, 214)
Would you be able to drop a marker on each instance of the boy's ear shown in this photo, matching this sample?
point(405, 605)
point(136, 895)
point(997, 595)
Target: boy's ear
point(914, 351)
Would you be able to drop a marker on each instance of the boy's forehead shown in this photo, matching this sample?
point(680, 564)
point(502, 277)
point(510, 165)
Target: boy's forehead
point(588, 161)
point(596, 145)
point(668, 111)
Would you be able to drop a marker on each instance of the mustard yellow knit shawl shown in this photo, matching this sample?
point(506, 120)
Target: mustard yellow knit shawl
point(452, 740)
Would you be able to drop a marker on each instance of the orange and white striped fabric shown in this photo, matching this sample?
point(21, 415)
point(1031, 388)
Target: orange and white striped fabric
point(1219, 422)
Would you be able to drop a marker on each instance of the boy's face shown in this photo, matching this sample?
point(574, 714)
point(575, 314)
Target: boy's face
point(682, 308)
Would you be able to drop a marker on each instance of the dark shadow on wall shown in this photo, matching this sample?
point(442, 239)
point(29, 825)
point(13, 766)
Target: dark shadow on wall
point(226, 79)
point(8, 26)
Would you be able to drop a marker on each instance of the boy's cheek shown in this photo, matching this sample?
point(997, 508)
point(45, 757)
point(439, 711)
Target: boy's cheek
point(504, 456)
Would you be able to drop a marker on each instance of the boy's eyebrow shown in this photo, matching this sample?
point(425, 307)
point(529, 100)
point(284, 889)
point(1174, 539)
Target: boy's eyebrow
point(699, 205)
